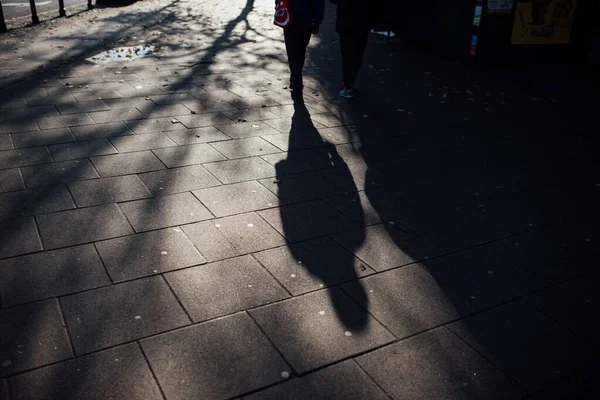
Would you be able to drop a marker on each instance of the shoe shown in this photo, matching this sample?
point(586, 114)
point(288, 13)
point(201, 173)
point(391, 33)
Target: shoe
point(347, 93)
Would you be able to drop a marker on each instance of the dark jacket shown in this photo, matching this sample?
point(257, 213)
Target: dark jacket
point(309, 12)
point(356, 14)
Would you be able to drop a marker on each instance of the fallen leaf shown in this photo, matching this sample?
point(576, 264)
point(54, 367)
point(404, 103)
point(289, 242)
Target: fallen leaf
point(242, 120)
point(362, 267)
point(276, 180)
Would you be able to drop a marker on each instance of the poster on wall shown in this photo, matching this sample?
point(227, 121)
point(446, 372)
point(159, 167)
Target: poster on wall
point(500, 6)
point(543, 21)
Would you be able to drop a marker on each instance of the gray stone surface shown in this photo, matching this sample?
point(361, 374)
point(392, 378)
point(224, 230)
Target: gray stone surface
point(99, 131)
point(32, 335)
point(437, 365)
point(119, 373)
point(164, 110)
point(178, 180)
point(19, 236)
point(10, 179)
point(249, 115)
point(551, 254)
point(211, 242)
point(148, 253)
point(155, 125)
point(301, 142)
point(6, 142)
point(358, 177)
point(164, 211)
point(307, 220)
point(41, 138)
point(331, 120)
point(17, 125)
point(4, 389)
point(248, 233)
point(300, 188)
point(83, 149)
point(189, 362)
point(246, 169)
point(34, 201)
point(64, 228)
point(452, 230)
point(580, 387)
point(284, 125)
point(108, 190)
point(83, 107)
point(130, 163)
point(408, 300)
point(202, 120)
point(141, 142)
point(236, 199)
point(188, 155)
point(387, 246)
point(241, 148)
point(24, 157)
point(320, 328)
point(49, 274)
point(196, 135)
point(341, 381)
point(64, 121)
point(60, 172)
point(571, 304)
point(31, 112)
point(120, 114)
point(523, 343)
point(247, 129)
point(483, 277)
point(224, 287)
point(374, 206)
point(311, 265)
point(300, 161)
point(121, 313)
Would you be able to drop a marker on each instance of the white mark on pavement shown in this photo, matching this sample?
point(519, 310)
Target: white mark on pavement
point(348, 333)
point(285, 374)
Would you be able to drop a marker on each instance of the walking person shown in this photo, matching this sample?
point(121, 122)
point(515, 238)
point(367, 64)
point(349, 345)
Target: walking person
point(305, 18)
point(355, 20)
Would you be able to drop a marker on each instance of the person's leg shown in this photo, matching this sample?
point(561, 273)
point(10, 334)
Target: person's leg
point(360, 44)
point(347, 50)
point(304, 34)
point(297, 38)
point(291, 47)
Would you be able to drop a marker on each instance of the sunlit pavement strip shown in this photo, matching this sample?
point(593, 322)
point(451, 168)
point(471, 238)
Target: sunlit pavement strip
point(121, 54)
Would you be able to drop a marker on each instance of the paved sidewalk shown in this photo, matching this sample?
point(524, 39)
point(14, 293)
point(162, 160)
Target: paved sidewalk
point(176, 227)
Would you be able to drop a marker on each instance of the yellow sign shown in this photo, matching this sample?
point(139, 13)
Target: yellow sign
point(543, 22)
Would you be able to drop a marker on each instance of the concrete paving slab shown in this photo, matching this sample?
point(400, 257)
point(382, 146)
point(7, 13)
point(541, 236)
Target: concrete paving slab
point(148, 254)
point(117, 314)
point(224, 287)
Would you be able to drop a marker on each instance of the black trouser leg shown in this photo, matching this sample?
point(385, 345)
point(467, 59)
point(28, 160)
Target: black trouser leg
point(296, 42)
point(353, 45)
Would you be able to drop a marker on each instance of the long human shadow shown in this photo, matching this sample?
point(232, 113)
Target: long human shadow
point(311, 257)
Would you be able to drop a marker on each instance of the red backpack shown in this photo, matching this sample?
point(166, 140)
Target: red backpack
point(283, 17)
